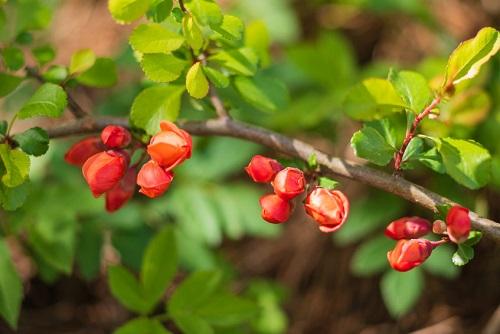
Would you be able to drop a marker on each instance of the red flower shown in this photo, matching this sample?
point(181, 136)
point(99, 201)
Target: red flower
point(262, 169)
point(409, 254)
point(103, 170)
point(153, 179)
point(329, 208)
point(275, 209)
point(117, 196)
point(82, 150)
point(114, 136)
point(289, 183)
point(170, 146)
point(408, 228)
point(458, 224)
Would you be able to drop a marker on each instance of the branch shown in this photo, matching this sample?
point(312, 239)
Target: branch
point(332, 166)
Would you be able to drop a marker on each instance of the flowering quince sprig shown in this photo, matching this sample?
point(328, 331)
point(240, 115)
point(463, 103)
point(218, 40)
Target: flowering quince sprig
point(107, 169)
point(328, 208)
point(412, 250)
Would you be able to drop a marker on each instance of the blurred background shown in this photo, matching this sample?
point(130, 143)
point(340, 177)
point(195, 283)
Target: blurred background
point(306, 281)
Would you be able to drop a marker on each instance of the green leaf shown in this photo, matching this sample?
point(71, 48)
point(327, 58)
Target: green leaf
point(4, 125)
point(257, 38)
point(369, 144)
point(466, 161)
point(196, 82)
point(265, 93)
point(102, 74)
point(8, 83)
point(160, 67)
point(55, 74)
point(192, 324)
point(13, 198)
point(160, 10)
point(44, 54)
point(49, 100)
point(24, 37)
point(34, 141)
point(154, 38)
point(242, 61)
point(155, 104)
point(13, 58)
point(127, 289)
point(81, 61)
point(231, 28)
point(401, 291)
point(439, 263)
point(17, 166)
point(373, 99)
point(142, 326)
point(474, 238)
point(192, 32)
point(89, 249)
point(207, 12)
point(327, 183)
point(433, 160)
point(463, 255)
point(159, 265)
point(414, 149)
point(216, 77)
point(126, 11)
point(224, 309)
point(466, 60)
point(412, 87)
point(11, 289)
point(371, 257)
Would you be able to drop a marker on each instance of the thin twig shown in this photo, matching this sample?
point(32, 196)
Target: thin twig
point(181, 5)
point(217, 103)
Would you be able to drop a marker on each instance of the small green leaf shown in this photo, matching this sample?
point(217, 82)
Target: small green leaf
point(55, 74)
point(207, 12)
point(463, 255)
point(160, 67)
point(433, 160)
point(231, 28)
point(34, 141)
point(101, 74)
point(257, 38)
point(216, 77)
point(242, 61)
point(127, 289)
point(13, 58)
point(24, 37)
point(196, 82)
point(160, 10)
point(224, 309)
point(414, 149)
point(81, 61)
point(371, 257)
point(44, 54)
point(13, 198)
point(8, 83)
point(327, 183)
point(265, 93)
point(369, 144)
point(17, 166)
point(126, 11)
point(142, 326)
point(412, 87)
point(11, 289)
point(474, 238)
point(467, 59)
point(155, 104)
point(49, 100)
point(192, 32)
point(373, 99)
point(401, 291)
point(312, 161)
point(192, 324)
point(4, 125)
point(154, 38)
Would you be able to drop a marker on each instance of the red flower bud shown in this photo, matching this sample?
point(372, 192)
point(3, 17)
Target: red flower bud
point(114, 136)
point(329, 208)
point(262, 169)
point(170, 146)
point(458, 224)
point(289, 183)
point(117, 196)
point(439, 227)
point(408, 228)
point(82, 150)
point(409, 254)
point(153, 179)
point(275, 209)
point(103, 170)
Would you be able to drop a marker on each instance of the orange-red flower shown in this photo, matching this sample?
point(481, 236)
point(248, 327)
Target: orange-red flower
point(275, 209)
point(458, 224)
point(408, 228)
point(263, 169)
point(122, 192)
point(409, 254)
point(114, 136)
point(170, 146)
point(329, 208)
point(153, 179)
point(82, 150)
point(289, 183)
point(103, 170)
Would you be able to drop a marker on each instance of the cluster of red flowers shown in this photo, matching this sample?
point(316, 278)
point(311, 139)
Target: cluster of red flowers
point(411, 250)
point(329, 208)
point(106, 167)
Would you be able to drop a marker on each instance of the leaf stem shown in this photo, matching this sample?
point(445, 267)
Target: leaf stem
point(11, 124)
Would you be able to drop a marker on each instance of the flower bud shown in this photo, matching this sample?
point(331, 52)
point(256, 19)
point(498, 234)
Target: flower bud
point(409, 254)
point(458, 224)
point(153, 179)
point(82, 150)
point(275, 209)
point(408, 228)
point(117, 196)
point(439, 227)
point(114, 136)
point(329, 208)
point(262, 169)
point(170, 146)
point(289, 183)
point(103, 170)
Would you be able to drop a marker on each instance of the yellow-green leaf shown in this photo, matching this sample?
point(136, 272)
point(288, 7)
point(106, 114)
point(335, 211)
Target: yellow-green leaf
point(126, 11)
point(196, 82)
point(192, 32)
point(154, 38)
point(161, 67)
